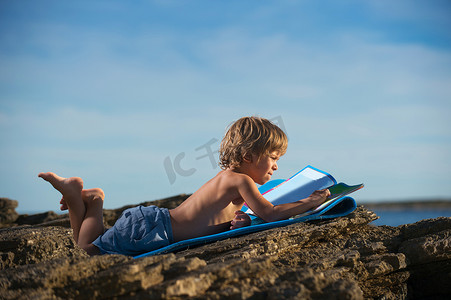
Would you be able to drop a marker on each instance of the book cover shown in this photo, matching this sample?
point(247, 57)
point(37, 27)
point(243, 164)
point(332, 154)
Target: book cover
point(302, 185)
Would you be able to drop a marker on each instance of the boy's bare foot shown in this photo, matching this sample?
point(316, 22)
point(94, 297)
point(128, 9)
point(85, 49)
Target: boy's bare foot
point(63, 204)
point(68, 187)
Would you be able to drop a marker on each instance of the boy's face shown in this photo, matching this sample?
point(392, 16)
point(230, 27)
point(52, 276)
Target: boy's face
point(261, 170)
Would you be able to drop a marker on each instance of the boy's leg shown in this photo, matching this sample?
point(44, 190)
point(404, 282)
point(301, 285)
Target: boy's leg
point(85, 209)
point(71, 189)
point(92, 226)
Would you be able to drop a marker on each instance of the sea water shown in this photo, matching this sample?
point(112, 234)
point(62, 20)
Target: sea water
point(396, 217)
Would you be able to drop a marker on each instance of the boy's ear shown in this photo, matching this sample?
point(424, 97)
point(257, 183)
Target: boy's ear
point(247, 158)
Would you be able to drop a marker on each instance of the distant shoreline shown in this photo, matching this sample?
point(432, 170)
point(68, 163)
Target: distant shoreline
point(409, 204)
point(383, 204)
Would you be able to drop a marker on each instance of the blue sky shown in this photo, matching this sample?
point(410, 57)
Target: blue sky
point(130, 96)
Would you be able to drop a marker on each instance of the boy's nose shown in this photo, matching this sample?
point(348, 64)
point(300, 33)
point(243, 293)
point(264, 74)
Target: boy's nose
point(275, 167)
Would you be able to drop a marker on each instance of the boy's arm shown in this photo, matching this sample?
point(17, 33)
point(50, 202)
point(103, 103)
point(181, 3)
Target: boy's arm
point(269, 212)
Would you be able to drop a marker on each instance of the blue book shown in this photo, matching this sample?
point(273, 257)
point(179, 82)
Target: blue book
point(303, 184)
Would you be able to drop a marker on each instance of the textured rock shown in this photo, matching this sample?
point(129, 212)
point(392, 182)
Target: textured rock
point(344, 258)
point(46, 217)
point(8, 212)
point(29, 245)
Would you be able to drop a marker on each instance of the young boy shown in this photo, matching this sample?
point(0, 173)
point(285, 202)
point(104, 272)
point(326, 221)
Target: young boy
point(248, 154)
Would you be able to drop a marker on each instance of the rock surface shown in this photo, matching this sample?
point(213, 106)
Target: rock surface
point(8, 212)
point(343, 258)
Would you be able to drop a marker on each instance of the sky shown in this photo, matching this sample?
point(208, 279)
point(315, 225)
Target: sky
point(135, 96)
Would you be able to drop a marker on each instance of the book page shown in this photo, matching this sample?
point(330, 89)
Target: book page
point(299, 186)
point(337, 191)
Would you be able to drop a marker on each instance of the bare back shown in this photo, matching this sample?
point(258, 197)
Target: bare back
point(210, 209)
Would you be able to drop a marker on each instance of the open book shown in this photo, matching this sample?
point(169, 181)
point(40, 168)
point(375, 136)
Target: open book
point(303, 184)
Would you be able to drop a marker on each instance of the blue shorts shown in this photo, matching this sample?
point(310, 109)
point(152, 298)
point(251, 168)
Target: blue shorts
point(138, 230)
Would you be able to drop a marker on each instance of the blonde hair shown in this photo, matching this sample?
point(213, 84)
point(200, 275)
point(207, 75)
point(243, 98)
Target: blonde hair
point(250, 135)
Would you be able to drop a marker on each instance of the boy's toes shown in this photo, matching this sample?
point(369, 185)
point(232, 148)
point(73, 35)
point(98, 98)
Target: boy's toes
point(63, 204)
point(43, 175)
point(47, 176)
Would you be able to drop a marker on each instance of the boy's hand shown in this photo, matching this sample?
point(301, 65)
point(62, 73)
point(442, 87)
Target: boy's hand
point(241, 220)
point(319, 197)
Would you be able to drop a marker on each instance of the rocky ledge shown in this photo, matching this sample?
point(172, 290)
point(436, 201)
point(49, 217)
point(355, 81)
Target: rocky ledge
point(343, 258)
